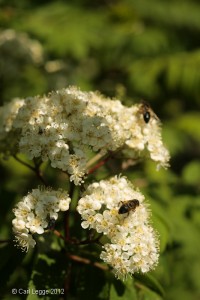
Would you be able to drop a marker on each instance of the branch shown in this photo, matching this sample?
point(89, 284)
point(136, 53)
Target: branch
point(98, 165)
point(87, 261)
point(57, 233)
point(75, 241)
point(94, 159)
point(24, 163)
point(35, 169)
point(5, 241)
point(86, 241)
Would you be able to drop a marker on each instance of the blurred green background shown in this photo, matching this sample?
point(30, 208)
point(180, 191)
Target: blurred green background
point(131, 50)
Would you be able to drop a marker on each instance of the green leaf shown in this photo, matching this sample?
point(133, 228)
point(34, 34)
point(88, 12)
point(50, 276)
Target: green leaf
point(163, 229)
point(189, 123)
point(176, 139)
point(175, 13)
point(11, 259)
point(48, 22)
point(89, 282)
point(191, 173)
point(150, 282)
point(48, 274)
point(149, 71)
point(123, 290)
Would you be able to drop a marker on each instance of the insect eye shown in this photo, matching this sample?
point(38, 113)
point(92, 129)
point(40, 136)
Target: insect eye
point(122, 210)
point(137, 202)
point(146, 117)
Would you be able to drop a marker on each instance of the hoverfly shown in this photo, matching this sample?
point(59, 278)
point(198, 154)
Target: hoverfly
point(147, 112)
point(127, 206)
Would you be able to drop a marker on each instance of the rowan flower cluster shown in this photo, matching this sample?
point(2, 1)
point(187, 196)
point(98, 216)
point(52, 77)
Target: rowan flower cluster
point(68, 128)
point(132, 242)
point(64, 126)
point(34, 212)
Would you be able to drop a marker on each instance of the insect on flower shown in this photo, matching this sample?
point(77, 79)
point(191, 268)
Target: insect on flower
point(127, 206)
point(41, 130)
point(51, 224)
point(147, 112)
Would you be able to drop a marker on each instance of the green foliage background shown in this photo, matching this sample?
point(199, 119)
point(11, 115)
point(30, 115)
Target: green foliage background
point(132, 50)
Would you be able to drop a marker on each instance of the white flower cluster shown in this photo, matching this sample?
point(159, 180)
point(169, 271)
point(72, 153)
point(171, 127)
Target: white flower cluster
point(63, 126)
point(9, 136)
point(133, 244)
point(26, 50)
point(34, 212)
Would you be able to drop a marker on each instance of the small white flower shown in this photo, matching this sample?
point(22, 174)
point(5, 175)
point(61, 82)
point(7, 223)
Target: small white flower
point(19, 224)
point(64, 204)
point(34, 224)
point(24, 240)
